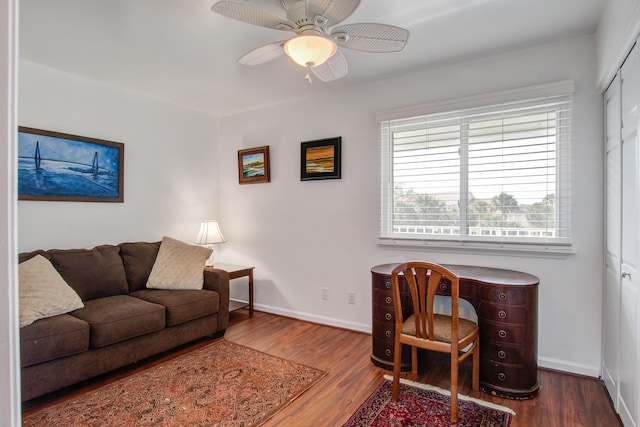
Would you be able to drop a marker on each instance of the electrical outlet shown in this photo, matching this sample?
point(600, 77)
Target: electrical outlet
point(325, 293)
point(351, 297)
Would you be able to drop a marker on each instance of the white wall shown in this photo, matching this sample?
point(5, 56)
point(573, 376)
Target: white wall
point(303, 236)
point(170, 173)
point(618, 29)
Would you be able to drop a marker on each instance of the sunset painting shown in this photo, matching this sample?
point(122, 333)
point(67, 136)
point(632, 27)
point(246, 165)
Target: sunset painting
point(320, 159)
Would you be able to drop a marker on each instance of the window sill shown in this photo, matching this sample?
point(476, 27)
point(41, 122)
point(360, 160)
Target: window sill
point(484, 248)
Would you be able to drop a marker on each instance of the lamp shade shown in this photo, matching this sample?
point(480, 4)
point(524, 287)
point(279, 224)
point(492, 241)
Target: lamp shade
point(310, 51)
point(209, 233)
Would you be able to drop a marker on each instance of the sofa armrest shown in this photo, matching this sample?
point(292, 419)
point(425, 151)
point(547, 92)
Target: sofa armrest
point(218, 280)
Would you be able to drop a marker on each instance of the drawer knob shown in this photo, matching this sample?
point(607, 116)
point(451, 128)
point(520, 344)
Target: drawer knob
point(387, 285)
point(388, 316)
point(502, 354)
point(502, 314)
point(388, 352)
point(388, 333)
point(443, 286)
point(502, 333)
point(502, 296)
point(502, 376)
point(388, 300)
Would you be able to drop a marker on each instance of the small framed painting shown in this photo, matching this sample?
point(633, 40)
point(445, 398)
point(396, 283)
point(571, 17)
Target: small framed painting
point(320, 159)
point(253, 165)
point(57, 166)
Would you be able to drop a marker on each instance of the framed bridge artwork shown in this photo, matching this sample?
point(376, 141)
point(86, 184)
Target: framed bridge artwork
point(61, 167)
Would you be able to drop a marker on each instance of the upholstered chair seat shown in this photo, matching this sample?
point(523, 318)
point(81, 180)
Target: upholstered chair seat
point(441, 327)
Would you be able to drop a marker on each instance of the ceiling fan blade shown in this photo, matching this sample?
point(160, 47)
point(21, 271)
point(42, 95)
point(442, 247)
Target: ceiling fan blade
point(370, 37)
point(333, 69)
point(333, 11)
point(251, 15)
point(263, 54)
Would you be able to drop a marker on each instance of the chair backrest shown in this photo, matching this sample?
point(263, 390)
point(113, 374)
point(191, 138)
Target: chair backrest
point(423, 280)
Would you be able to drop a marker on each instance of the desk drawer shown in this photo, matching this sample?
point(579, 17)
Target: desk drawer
point(381, 283)
point(503, 333)
point(507, 375)
point(383, 330)
point(504, 313)
point(515, 355)
point(384, 298)
point(384, 314)
point(503, 295)
point(467, 290)
point(384, 351)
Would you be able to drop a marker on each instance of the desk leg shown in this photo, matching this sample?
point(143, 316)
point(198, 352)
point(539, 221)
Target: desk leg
point(250, 293)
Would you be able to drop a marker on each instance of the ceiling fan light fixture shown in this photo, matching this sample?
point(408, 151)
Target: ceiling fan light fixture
point(310, 51)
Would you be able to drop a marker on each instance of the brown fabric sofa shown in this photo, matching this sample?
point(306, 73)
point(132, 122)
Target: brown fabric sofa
point(122, 321)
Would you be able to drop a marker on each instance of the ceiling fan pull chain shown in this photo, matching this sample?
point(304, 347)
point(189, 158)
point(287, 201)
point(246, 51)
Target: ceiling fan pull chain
point(308, 76)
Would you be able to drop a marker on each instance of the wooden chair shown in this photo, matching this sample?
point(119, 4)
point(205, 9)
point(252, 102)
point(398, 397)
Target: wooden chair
point(425, 329)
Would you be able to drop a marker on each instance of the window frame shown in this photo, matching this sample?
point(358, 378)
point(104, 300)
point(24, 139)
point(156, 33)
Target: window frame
point(559, 246)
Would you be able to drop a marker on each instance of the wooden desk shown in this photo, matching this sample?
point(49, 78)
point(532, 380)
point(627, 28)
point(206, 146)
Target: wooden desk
point(506, 302)
point(235, 272)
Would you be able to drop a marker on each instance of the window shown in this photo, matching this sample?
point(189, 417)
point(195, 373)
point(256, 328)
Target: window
point(496, 174)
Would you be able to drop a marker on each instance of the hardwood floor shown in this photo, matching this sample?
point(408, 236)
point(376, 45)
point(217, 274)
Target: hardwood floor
point(564, 400)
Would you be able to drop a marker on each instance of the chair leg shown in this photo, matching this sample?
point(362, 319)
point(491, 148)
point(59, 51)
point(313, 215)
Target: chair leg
point(397, 360)
point(414, 360)
point(454, 386)
point(475, 379)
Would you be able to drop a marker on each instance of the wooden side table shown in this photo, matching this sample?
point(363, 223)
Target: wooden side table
point(235, 272)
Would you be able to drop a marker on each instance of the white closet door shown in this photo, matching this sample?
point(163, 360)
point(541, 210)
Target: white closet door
point(630, 276)
point(611, 295)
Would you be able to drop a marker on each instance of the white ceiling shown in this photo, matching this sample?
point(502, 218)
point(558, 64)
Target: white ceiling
point(181, 52)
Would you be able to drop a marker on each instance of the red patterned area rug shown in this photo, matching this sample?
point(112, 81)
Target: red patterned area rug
point(222, 384)
point(425, 406)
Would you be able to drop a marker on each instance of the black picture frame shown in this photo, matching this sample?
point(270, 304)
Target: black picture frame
point(321, 159)
point(55, 166)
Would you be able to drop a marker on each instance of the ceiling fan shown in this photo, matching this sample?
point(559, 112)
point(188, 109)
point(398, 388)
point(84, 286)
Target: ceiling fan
point(316, 42)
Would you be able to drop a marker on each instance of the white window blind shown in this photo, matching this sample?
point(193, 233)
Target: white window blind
point(495, 174)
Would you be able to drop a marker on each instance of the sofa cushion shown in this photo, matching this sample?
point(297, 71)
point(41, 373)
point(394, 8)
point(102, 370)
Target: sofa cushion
point(93, 273)
point(182, 305)
point(52, 338)
point(179, 265)
point(25, 256)
point(43, 292)
point(120, 317)
point(138, 260)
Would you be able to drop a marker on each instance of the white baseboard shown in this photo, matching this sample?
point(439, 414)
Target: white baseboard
point(543, 362)
point(566, 366)
point(329, 321)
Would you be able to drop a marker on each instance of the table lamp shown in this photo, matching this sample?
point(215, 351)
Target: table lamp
point(209, 235)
